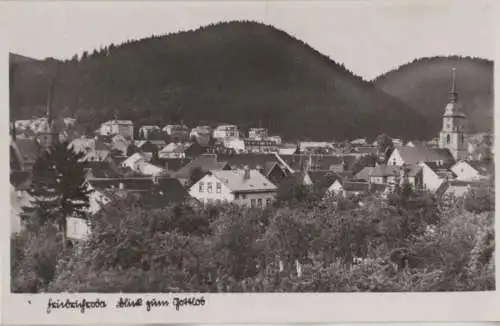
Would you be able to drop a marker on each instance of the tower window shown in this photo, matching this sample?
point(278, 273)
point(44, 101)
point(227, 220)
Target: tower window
point(447, 139)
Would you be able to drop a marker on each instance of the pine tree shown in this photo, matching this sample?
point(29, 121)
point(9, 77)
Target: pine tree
point(58, 188)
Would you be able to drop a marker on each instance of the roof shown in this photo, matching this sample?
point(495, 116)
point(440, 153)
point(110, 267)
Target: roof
point(355, 186)
point(29, 149)
point(364, 174)
point(253, 161)
point(384, 171)
point(483, 168)
point(318, 162)
point(367, 149)
point(172, 164)
point(323, 179)
point(20, 180)
point(176, 147)
point(440, 170)
point(414, 155)
point(206, 162)
point(235, 181)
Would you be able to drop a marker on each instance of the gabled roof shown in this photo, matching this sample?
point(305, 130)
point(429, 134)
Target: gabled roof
point(206, 162)
point(367, 149)
point(28, 149)
point(252, 161)
point(20, 180)
point(364, 174)
point(481, 167)
point(173, 164)
point(414, 155)
point(323, 179)
point(384, 171)
point(235, 181)
point(440, 170)
point(176, 147)
point(318, 161)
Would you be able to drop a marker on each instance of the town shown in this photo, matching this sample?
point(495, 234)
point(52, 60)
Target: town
point(210, 166)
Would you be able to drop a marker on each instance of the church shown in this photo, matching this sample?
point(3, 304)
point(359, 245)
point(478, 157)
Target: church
point(453, 133)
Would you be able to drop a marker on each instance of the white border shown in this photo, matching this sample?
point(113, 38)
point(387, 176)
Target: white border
point(239, 308)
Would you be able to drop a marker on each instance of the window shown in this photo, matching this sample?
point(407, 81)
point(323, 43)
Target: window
point(243, 196)
point(201, 185)
point(218, 188)
point(252, 203)
point(259, 202)
point(447, 139)
point(268, 201)
point(209, 187)
point(236, 196)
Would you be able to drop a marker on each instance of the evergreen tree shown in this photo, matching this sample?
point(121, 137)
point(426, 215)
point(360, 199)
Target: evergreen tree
point(58, 188)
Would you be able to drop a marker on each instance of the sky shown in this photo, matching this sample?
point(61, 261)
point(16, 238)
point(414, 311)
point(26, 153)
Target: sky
point(368, 37)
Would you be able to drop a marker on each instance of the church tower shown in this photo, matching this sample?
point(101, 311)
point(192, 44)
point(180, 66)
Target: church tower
point(47, 137)
point(453, 135)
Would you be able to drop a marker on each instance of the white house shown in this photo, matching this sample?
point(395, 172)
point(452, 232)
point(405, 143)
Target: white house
point(77, 228)
point(257, 133)
point(244, 187)
point(431, 179)
point(133, 161)
point(226, 132)
point(406, 155)
point(275, 139)
point(235, 143)
point(146, 130)
point(347, 188)
point(470, 170)
point(118, 127)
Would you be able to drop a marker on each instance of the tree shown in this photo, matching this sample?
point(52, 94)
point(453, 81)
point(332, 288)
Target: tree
point(58, 188)
point(131, 150)
point(195, 175)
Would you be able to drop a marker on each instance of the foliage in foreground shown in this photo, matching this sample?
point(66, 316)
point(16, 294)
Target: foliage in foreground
point(410, 244)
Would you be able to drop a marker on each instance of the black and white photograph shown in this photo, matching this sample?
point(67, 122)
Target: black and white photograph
point(236, 147)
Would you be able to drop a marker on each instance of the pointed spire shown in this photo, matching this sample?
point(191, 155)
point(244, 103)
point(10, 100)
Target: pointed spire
point(453, 93)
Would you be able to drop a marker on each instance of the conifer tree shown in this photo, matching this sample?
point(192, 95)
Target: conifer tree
point(58, 188)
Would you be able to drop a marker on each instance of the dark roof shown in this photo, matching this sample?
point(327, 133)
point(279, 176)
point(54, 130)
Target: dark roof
point(318, 162)
point(440, 170)
point(253, 161)
point(20, 180)
point(384, 171)
point(355, 186)
point(323, 179)
point(364, 174)
point(174, 164)
point(206, 162)
point(484, 168)
point(367, 149)
point(29, 149)
point(414, 155)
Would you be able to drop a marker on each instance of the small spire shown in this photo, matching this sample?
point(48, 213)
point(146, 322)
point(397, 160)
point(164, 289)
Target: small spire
point(454, 94)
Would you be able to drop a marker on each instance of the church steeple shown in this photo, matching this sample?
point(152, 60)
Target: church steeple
point(453, 93)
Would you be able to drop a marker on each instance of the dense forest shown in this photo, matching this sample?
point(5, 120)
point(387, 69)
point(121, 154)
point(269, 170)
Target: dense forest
point(425, 84)
point(302, 244)
point(238, 72)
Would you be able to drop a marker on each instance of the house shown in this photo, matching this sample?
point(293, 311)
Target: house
point(245, 187)
point(359, 142)
point(226, 132)
point(236, 144)
point(204, 163)
point(120, 144)
point(276, 139)
point(472, 170)
point(124, 128)
point(145, 146)
point(322, 180)
point(254, 161)
point(170, 165)
point(413, 155)
point(367, 150)
point(348, 188)
point(24, 153)
point(145, 131)
point(177, 132)
point(433, 175)
point(257, 134)
point(415, 143)
point(19, 197)
point(260, 146)
point(384, 174)
point(335, 163)
point(201, 135)
point(181, 150)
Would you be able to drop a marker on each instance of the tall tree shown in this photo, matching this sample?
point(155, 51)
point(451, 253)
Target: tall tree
point(384, 146)
point(58, 188)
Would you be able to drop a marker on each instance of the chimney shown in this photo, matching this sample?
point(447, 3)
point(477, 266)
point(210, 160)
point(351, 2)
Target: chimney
point(246, 174)
point(121, 185)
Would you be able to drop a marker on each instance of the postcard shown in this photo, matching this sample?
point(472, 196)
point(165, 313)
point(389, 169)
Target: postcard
point(249, 162)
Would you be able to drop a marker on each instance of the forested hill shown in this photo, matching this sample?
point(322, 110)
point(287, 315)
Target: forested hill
point(239, 72)
point(425, 84)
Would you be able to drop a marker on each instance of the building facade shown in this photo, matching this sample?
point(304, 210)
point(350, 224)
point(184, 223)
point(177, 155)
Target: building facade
point(453, 134)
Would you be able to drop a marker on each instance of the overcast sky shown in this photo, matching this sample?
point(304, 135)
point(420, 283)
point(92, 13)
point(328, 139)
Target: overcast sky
point(369, 37)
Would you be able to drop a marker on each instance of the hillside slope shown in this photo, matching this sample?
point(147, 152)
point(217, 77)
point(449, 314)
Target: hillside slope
point(425, 84)
point(239, 72)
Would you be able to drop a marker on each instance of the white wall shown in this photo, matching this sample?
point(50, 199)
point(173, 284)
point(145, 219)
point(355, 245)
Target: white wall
point(430, 180)
point(77, 228)
point(204, 196)
point(465, 172)
point(395, 158)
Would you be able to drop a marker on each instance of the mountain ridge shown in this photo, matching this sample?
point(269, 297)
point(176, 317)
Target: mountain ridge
point(245, 73)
